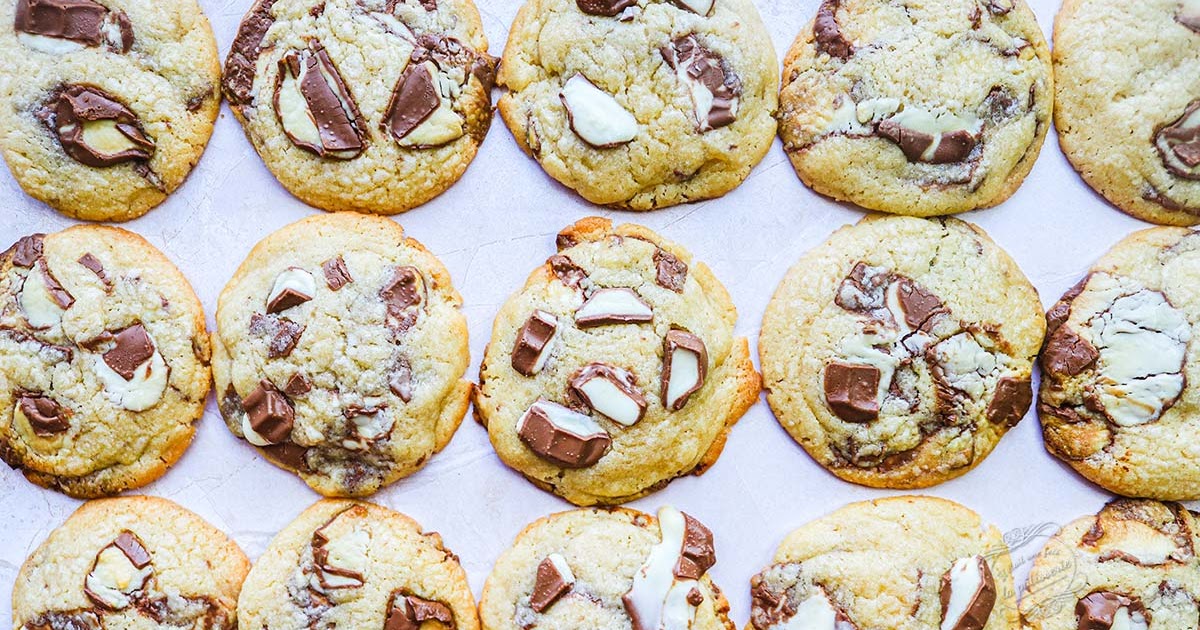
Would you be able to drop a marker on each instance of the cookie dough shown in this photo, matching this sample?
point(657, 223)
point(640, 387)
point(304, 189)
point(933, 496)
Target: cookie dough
point(899, 352)
point(641, 104)
point(905, 563)
point(368, 105)
point(1133, 566)
point(1127, 95)
point(105, 105)
point(615, 369)
point(607, 570)
point(340, 351)
point(134, 562)
point(920, 109)
point(1118, 401)
point(103, 360)
point(350, 564)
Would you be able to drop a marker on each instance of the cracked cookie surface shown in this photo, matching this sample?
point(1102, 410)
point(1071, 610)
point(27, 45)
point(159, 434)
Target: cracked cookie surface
point(918, 108)
point(907, 563)
point(1118, 401)
point(368, 105)
point(615, 369)
point(103, 360)
point(899, 352)
point(352, 564)
point(641, 104)
point(1127, 88)
point(608, 570)
point(1132, 566)
point(131, 562)
point(340, 351)
point(105, 105)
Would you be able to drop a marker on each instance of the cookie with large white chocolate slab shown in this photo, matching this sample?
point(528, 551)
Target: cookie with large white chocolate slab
point(1127, 81)
point(105, 105)
point(103, 360)
point(351, 564)
point(1132, 566)
point(615, 369)
point(641, 104)
point(133, 562)
point(899, 352)
point(340, 351)
point(1118, 400)
point(905, 563)
point(920, 109)
point(608, 570)
point(368, 105)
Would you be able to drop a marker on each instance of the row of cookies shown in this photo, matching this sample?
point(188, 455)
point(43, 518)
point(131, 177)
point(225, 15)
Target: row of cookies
point(902, 562)
point(380, 106)
point(897, 354)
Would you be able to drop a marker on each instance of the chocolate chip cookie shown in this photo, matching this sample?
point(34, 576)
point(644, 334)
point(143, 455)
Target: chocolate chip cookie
point(615, 369)
point(369, 105)
point(641, 104)
point(103, 360)
point(105, 105)
point(607, 569)
point(350, 564)
point(134, 562)
point(904, 562)
point(919, 109)
point(340, 351)
point(1126, 102)
point(899, 352)
point(1118, 401)
point(1133, 566)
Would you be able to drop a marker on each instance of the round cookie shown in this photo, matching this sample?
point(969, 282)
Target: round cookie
point(103, 360)
point(368, 105)
point(899, 352)
point(1133, 566)
point(918, 109)
point(340, 351)
point(607, 570)
point(1118, 399)
point(1127, 91)
point(105, 105)
point(641, 104)
point(351, 564)
point(906, 563)
point(615, 369)
point(131, 562)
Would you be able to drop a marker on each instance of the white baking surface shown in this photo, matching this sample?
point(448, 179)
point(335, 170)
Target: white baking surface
point(491, 230)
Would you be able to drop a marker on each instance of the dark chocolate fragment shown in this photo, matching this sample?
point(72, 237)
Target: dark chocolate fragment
point(919, 304)
point(117, 137)
point(57, 292)
point(133, 348)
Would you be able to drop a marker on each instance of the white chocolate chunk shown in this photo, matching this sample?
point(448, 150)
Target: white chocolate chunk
point(104, 137)
point(48, 45)
point(115, 578)
point(142, 391)
point(297, 121)
point(685, 373)
point(252, 436)
point(1123, 619)
point(595, 116)
point(293, 278)
point(874, 110)
point(41, 311)
point(614, 304)
point(966, 580)
point(678, 613)
point(605, 397)
point(966, 365)
point(347, 552)
point(564, 418)
point(924, 121)
point(369, 427)
point(699, 7)
point(814, 613)
point(655, 581)
point(444, 124)
point(564, 569)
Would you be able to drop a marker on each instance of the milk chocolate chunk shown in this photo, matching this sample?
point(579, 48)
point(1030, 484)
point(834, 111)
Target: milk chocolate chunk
point(611, 391)
point(414, 99)
point(1012, 399)
point(968, 594)
point(532, 347)
point(237, 80)
point(94, 265)
point(944, 147)
point(1000, 7)
point(698, 553)
point(403, 295)
point(699, 7)
point(554, 579)
point(315, 107)
point(60, 620)
point(712, 85)
point(336, 273)
point(282, 333)
point(919, 305)
point(297, 385)
point(670, 272)
point(409, 612)
point(133, 348)
point(129, 545)
point(1102, 609)
point(83, 22)
point(44, 415)
point(289, 454)
point(685, 366)
point(400, 379)
point(293, 287)
point(1179, 142)
point(57, 292)
point(562, 436)
point(27, 250)
point(567, 271)
point(119, 573)
point(613, 306)
point(1067, 353)
point(96, 130)
point(829, 34)
point(852, 390)
point(269, 412)
point(604, 8)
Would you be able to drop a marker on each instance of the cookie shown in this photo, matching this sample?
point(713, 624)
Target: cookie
point(368, 105)
point(899, 352)
point(131, 562)
point(105, 105)
point(351, 564)
point(641, 104)
point(340, 351)
point(608, 570)
point(615, 369)
point(103, 360)
point(904, 563)
point(1117, 399)
point(1133, 566)
point(1127, 92)
point(918, 109)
